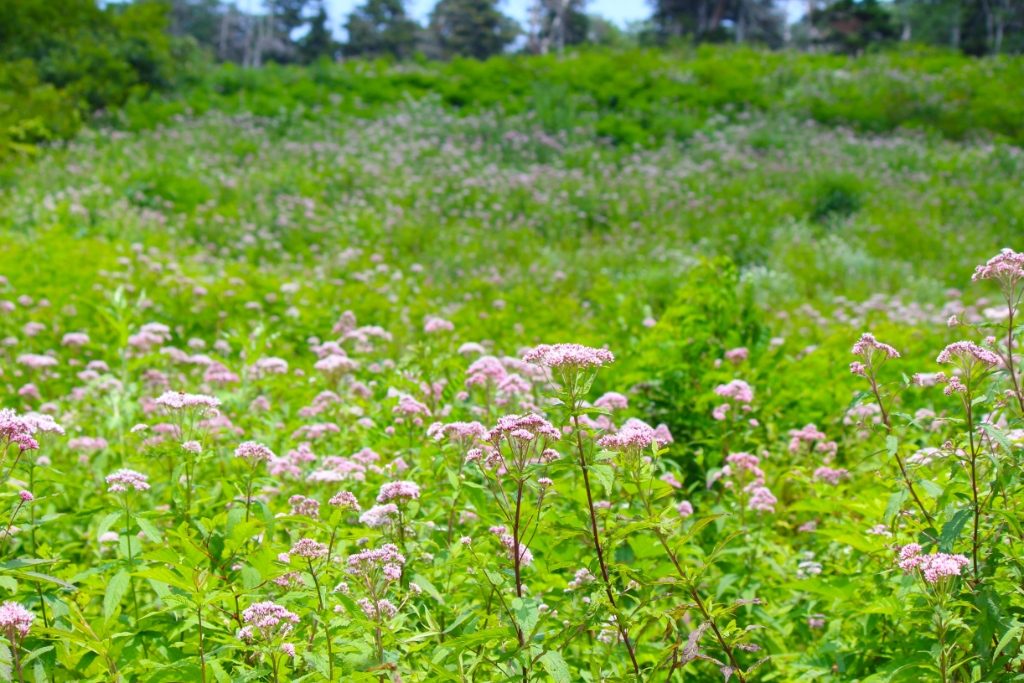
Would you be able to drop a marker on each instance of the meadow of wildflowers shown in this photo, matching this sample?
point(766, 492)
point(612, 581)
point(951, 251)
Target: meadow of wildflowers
point(421, 396)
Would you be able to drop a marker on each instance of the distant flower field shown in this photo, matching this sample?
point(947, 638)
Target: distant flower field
point(421, 395)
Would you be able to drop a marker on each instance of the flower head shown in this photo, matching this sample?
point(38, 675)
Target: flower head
point(179, 400)
point(1007, 266)
point(253, 452)
point(125, 479)
point(867, 345)
point(344, 499)
point(568, 356)
point(398, 490)
point(310, 549)
point(933, 567)
point(15, 620)
point(965, 351)
point(266, 621)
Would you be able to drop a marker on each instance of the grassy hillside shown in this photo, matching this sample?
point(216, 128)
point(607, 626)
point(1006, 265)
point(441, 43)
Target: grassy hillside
point(345, 256)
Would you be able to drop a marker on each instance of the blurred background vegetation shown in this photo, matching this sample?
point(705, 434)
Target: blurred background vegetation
point(941, 65)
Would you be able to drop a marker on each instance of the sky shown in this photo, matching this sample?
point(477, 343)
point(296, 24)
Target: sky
point(619, 11)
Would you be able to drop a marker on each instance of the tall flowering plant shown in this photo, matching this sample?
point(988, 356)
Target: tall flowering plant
point(637, 447)
point(574, 368)
point(511, 462)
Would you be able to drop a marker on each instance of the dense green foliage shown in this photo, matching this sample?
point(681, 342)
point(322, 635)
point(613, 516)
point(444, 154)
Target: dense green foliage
point(349, 266)
point(646, 97)
point(250, 213)
point(62, 61)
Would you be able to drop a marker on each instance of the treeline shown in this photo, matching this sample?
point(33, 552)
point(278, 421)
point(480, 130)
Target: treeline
point(302, 31)
point(64, 61)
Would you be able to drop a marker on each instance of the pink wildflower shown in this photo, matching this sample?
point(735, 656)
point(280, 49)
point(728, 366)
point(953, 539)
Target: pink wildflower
point(568, 356)
point(310, 549)
point(965, 351)
point(123, 479)
point(404, 490)
point(253, 452)
point(867, 345)
point(15, 621)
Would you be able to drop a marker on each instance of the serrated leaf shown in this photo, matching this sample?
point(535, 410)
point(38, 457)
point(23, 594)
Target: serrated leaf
point(951, 530)
point(428, 587)
point(116, 589)
point(1012, 634)
point(148, 528)
point(555, 665)
point(250, 577)
point(896, 500)
point(604, 475)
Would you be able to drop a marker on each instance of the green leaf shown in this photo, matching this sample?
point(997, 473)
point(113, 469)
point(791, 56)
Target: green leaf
point(896, 500)
point(116, 590)
point(1010, 635)
point(951, 530)
point(891, 445)
point(556, 667)
point(604, 475)
point(250, 577)
point(148, 528)
point(469, 640)
point(526, 612)
point(428, 587)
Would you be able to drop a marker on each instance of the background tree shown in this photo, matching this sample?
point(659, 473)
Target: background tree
point(719, 20)
point(381, 27)
point(318, 42)
point(470, 28)
point(852, 25)
point(556, 24)
point(198, 19)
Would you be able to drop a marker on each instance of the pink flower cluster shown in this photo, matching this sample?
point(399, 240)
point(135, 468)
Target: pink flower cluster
point(933, 567)
point(524, 428)
point(568, 356)
point(634, 436)
point(612, 401)
point(1007, 266)
point(434, 324)
point(386, 559)
point(737, 355)
point(737, 390)
point(253, 452)
point(965, 351)
point(305, 507)
point(379, 610)
point(830, 475)
point(746, 468)
point(344, 499)
point(15, 621)
point(509, 541)
point(309, 549)
point(17, 429)
point(401, 490)
point(379, 515)
point(810, 434)
point(462, 432)
point(179, 400)
point(867, 345)
point(266, 621)
point(124, 479)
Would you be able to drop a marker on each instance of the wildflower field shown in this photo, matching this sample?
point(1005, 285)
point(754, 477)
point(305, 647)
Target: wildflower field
point(383, 388)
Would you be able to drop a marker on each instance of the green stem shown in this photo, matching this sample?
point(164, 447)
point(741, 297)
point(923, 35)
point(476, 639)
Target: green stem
point(597, 539)
point(131, 560)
